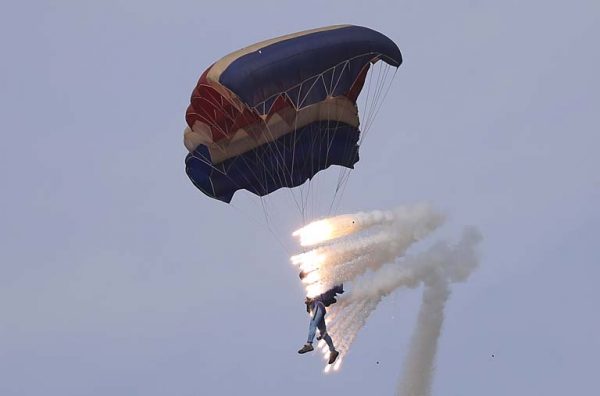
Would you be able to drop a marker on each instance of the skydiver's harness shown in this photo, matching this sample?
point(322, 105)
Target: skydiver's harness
point(312, 307)
point(324, 300)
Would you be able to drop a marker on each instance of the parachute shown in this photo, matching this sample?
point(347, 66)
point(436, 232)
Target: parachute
point(274, 114)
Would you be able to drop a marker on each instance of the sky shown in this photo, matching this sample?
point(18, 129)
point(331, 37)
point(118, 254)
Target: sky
point(118, 277)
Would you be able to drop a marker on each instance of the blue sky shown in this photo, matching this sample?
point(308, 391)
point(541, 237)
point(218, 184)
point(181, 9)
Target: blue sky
point(118, 277)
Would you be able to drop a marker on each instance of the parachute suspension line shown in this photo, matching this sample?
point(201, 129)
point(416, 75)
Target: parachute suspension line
point(371, 117)
point(307, 204)
point(374, 105)
point(344, 172)
point(373, 110)
point(278, 155)
point(330, 140)
point(307, 208)
point(337, 186)
point(328, 89)
point(369, 103)
point(263, 203)
point(376, 93)
point(250, 169)
point(210, 164)
point(223, 172)
point(269, 214)
point(294, 141)
point(265, 212)
point(287, 250)
point(305, 192)
point(380, 104)
point(330, 131)
point(263, 185)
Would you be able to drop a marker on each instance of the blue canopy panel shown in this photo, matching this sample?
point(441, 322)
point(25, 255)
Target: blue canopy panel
point(286, 162)
point(295, 65)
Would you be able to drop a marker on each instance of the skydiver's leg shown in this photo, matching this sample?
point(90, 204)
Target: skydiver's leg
point(324, 335)
point(314, 322)
point(328, 340)
point(312, 329)
point(333, 354)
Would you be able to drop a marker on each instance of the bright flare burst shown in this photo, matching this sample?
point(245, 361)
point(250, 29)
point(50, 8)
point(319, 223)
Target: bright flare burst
point(314, 290)
point(325, 230)
point(333, 367)
point(308, 261)
point(312, 277)
point(337, 364)
point(315, 233)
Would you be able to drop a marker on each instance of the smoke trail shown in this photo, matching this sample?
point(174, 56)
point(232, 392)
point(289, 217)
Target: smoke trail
point(341, 261)
point(452, 262)
point(442, 262)
point(325, 230)
point(419, 363)
point(435, 268)
point(358, 321)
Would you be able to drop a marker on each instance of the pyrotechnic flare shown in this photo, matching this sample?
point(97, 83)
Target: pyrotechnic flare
point(345, 259)
point(321, 231)
point(325, 230)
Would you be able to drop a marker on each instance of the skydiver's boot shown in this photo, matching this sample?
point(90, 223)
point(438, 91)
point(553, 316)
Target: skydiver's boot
point(306, 348)
point(333, 356)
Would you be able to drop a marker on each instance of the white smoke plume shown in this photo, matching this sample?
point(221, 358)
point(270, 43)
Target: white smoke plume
point(419, 362)
point(453, 263)
point(325, 230)
point(367, 251)
point(392, 233)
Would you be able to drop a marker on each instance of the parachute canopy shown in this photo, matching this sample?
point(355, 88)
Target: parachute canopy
point(275, 113)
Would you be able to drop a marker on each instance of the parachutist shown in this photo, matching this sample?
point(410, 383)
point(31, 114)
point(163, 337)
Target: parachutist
point(316, 307)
